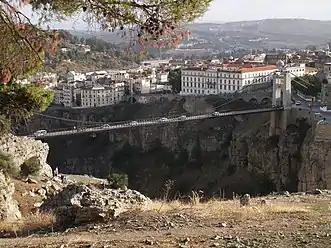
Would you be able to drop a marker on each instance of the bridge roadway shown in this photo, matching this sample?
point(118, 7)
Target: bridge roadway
point(154, 121)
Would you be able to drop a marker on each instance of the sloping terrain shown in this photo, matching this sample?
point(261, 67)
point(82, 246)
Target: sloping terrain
point(282, 222)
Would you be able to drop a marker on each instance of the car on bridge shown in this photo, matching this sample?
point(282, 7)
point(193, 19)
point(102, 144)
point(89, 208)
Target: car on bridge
point(39, 133)
point(133, 123)
point(183, 117)
point(216, 114)
point(105, 126)
point(163, 119)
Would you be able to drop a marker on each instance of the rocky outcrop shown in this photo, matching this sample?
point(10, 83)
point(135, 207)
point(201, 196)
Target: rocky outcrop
point(78, 203)
point(230, 154)
point(9, 210)
point(23, 148)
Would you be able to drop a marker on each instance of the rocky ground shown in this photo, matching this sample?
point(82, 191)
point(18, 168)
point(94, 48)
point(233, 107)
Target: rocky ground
point(286, 220)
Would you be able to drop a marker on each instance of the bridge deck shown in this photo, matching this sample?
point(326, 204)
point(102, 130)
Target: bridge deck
point(154, 121)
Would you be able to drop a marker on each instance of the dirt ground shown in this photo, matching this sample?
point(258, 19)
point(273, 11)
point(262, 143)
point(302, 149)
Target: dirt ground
point(285, 221)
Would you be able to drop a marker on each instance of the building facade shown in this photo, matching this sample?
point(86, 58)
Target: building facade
point(98, 96)
point(213, 81)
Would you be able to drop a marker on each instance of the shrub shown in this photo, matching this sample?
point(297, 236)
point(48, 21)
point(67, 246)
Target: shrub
point(31, 166)
point(118, 180)
point(7, 165)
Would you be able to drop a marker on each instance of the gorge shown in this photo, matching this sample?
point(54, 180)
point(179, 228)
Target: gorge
point(228, 155)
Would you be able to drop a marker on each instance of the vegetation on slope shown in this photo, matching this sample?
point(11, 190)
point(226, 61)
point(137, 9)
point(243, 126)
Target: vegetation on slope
point(70, 55)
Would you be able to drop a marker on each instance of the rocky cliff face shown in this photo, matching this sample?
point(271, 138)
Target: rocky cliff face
point(215, 155)
point(9, 210)
point(23, 148)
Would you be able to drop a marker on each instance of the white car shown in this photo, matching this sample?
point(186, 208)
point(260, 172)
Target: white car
point(105, 126)
point(133, 123)
point(163, 119)
point(39, 133)
point(183, 117)
point(216, 114)
point(297, 103)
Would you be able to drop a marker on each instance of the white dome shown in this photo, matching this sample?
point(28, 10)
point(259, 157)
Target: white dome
point(280, 63)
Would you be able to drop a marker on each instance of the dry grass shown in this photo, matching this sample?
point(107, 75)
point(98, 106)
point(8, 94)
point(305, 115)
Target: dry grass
point(232, 209)
point(29, 223)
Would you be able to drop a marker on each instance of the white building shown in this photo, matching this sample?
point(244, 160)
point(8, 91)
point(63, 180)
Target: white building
point(327, 72)
point(296, 70)
point(98, 96)
point(142, 85)
point(74, 76)
point(212, 81)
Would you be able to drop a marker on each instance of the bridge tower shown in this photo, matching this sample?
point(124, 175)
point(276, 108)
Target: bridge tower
point(281, 96)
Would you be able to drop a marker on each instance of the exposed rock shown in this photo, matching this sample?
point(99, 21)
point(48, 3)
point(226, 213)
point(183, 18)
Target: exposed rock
point(245, 200)
point(22, 148)
point(9, 209)
point(234, 155)
point(82, 203)
point(30, 180)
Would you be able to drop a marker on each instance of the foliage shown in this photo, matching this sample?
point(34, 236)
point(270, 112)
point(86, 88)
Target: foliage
point(31, 167)
point(22, 45)
point(102, 55)
point(7, 165)
point(117, 180)
point(18, 101)
point(4, 125)
point(144, 21)
point(175, 79)
point(307, 84)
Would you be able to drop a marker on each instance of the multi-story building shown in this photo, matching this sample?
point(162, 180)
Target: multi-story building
point(64, 95)
point(212, 81)
point(98, 96)
point(142, 85)
point(296, 70)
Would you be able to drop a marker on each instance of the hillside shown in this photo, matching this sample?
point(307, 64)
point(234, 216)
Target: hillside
point(86, 54)
point(276, 32)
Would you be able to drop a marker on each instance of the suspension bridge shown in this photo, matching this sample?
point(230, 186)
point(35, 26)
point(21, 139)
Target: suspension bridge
point(281, 100)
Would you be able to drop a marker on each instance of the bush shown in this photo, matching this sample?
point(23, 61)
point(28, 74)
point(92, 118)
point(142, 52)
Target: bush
point(7, 165)
point(31, 166)
point(117, 180)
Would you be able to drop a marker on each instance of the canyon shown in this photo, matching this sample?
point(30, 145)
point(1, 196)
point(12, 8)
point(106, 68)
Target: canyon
point(219, 156)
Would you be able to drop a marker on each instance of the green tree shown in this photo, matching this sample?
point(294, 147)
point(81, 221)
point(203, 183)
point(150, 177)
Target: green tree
point(31, 167)
point(175, 79)
point(307, 84)
point(117, 180)
point(20, 101)
point(7, 165)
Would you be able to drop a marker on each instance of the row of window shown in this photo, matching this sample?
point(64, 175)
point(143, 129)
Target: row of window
point(222, 87)
point(232, 75)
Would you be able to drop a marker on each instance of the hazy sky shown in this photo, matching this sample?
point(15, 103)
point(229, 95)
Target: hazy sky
point(239, 10)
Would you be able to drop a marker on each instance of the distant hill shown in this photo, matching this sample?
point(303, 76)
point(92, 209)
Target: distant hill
point(274, 32)
point(280, 32)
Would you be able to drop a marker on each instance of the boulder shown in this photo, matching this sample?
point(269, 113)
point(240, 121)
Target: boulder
point(78, 203)
point(9, 210)
point(22, 148)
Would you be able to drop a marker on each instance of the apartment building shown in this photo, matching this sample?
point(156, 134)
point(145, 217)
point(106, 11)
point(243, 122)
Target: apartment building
point(227, 79)
point(98, 96)
point(141, 85)
point(63, 95)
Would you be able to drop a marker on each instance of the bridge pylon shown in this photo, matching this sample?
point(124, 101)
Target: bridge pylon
point(281, 96)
